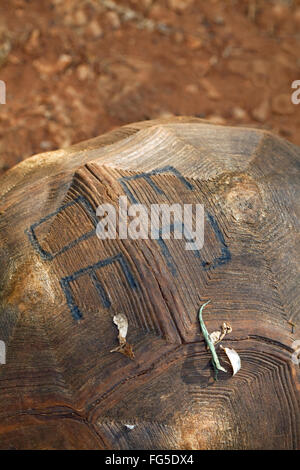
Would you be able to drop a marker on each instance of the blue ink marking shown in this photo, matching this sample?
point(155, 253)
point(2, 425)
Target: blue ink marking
point(91, 271)
point(221, 260)
point(105, 300)
point(164, 249)
point(225, 252)
point(147, 177)
point(33, 238)
point(167, 255)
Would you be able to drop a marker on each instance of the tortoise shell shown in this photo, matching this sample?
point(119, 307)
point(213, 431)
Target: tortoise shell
point(61, 286)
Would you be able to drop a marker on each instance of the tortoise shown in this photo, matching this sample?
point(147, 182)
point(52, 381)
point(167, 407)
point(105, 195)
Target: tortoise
point(61, 288)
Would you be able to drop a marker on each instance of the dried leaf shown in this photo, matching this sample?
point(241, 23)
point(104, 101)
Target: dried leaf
point(130, 426)
point(215, 336)
point(122, 323)
point(124, 348)
point(234, 359)
point(226, 328)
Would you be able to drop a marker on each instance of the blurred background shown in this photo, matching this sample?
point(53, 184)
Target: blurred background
point(75, 69)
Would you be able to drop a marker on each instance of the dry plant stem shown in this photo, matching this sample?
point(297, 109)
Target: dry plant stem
point(125, 349)
point(215, 360)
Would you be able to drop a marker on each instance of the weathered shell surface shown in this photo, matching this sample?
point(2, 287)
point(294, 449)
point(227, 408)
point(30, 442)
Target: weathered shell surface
point(60, 287)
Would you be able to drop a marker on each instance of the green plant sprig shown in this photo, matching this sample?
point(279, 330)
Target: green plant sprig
point(215, 360)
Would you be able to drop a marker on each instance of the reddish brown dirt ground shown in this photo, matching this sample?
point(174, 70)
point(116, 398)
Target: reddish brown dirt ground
point(77, 68)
